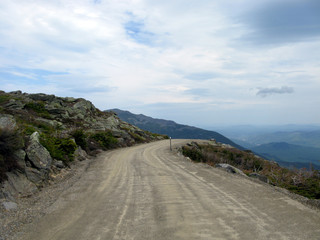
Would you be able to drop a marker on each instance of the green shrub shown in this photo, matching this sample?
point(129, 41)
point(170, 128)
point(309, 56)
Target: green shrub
point(10, 141)
point(59, 148)
point(137, 137)
point(105, 139)
point(39, 108)
point(192, 153)
point(28, 130)
point(4, 98)
point(80, 138)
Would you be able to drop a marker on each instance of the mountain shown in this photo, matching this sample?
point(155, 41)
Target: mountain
point(171, 128)
point(289, 154)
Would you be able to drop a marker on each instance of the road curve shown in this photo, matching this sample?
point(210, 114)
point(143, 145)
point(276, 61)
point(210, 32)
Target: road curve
point(148, 192)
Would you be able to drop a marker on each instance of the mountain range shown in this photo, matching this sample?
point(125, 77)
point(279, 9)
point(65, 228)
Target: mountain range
point(171, 128)
point(290, 154)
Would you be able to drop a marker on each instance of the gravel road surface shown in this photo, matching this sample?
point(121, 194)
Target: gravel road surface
point(148, 192)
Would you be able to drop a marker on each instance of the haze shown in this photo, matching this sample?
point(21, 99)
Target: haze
point(200, 63)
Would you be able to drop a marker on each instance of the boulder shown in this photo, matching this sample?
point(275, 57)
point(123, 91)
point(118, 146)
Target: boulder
point(229, 168)
point(9, 205)
point(17, 185)
point(7, 122)
point(37, 154)
point(36, 176)
point(58, 163)
point(13, 104)
point(20, 156)
point(260, 177)
point(80, 154)
point(42, 97)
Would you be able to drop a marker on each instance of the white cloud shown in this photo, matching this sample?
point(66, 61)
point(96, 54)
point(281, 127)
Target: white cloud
point(137, 53)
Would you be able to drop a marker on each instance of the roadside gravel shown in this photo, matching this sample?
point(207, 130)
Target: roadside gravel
point(34, 207)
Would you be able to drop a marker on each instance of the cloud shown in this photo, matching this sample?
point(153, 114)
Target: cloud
point(136, 53)
point(201, 76)
point(264, 92)
point(280, 22)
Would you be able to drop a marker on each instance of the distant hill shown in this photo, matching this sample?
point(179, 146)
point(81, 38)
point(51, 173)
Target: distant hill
point(289, 154)
point(171, 128)
point(304, 138)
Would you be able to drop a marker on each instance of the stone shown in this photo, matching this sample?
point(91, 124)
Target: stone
point(80, 154)
point(37, 154)
point(18, 185)
point(58, 163)
point(260, 177)
point(9, 205)
point(20, 156)
point(7, 122)
point(42, 97)
point(13, 104)
point(36, 176)
point(16, 92)
point(229, 168)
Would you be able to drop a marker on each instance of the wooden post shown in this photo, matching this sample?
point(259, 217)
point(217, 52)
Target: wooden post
point(170, 145)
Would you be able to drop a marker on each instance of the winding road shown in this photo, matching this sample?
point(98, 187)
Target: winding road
point(149, 192)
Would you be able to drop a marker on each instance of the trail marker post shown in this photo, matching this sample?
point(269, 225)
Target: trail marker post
point(170, 145)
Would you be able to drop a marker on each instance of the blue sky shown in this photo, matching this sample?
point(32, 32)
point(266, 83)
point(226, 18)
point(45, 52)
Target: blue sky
point(202, 63)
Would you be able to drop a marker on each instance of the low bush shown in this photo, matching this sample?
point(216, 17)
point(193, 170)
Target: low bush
point(299, 181)
point(59, 148)
point(10, 141)
point(39, 108)
point(104, 139)
point(80, 138)
point(4, 98)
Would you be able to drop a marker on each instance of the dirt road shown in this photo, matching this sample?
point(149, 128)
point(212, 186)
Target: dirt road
point(147, 192)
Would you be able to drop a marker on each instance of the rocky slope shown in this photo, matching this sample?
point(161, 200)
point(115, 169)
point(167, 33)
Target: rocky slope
point(41, 134)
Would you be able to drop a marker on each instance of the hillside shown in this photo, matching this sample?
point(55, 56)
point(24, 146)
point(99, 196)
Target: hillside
point(171, 128)
point(41, 134)
point(301, 181)
point(287, 154)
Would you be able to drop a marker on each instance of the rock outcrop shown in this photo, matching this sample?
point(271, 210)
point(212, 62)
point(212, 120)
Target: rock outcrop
point(229, 168)
point(41, 134)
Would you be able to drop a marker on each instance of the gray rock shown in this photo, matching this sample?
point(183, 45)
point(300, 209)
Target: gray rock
point(229, 168)
point(58, 163)
point(9, 205)
point(260, 177)
point(38, 154)
point(18, 185)
point(16, 92)
point(42, 97)
point(80, 154)
point(13, 104)
point(20, 156)
point(83, 107)
point(7, 122)
point(36, 176)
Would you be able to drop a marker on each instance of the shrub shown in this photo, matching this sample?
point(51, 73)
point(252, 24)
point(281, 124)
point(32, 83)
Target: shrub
point(303, 182)
point(39, 108)
point(59, 148)
point(192, 153)
point(105, 139)
point(10, 141)
point(4, 98)
point(80, 138)
point(137, 137)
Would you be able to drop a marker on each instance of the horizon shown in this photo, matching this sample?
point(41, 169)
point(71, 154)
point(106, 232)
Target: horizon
point(196, 63)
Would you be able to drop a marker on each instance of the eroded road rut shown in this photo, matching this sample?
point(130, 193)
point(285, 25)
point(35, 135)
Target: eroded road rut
point(147, 192)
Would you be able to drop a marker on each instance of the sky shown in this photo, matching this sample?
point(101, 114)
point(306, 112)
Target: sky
point(203, 63)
